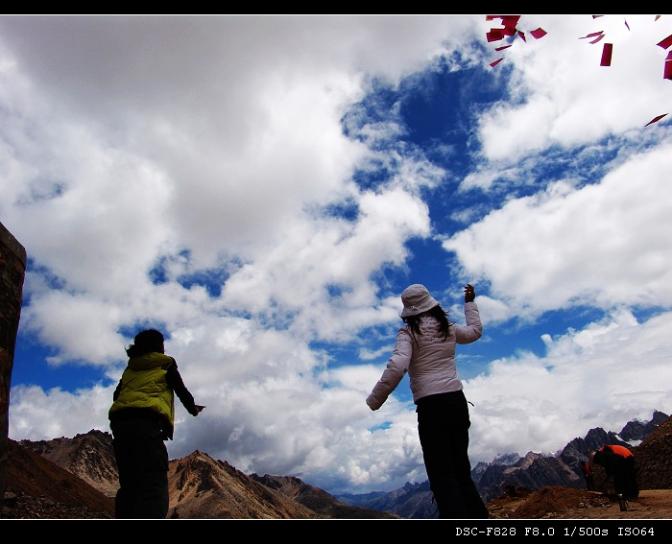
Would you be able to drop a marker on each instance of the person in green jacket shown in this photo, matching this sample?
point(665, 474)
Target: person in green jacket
point(141, 418)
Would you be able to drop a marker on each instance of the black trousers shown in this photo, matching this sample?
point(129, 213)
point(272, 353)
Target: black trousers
point(443, 425)
point(624, 473)
point(142, 461)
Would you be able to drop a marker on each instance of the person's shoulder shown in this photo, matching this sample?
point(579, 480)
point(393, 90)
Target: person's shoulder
point(404, 331)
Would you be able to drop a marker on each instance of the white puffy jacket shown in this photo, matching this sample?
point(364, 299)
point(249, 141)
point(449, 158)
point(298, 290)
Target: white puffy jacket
point(427, 357)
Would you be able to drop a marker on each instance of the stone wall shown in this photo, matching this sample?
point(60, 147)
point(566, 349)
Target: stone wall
point(12, 270)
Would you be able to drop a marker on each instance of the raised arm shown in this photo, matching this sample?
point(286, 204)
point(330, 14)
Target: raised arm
point(472, 331)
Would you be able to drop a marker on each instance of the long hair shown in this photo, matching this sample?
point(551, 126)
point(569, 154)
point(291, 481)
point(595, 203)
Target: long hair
point(147, 341)
point(438, 313)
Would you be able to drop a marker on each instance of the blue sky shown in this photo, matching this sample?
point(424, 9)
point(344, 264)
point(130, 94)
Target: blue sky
point(264, 197)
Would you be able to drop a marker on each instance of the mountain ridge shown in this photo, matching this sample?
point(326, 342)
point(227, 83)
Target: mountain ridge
point(201, 486)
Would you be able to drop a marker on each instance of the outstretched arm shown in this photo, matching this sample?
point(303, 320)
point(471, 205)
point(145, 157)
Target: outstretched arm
point(392, 375)
point(115, 395)
point(186, 398)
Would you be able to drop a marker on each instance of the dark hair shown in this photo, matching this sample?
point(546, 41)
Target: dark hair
point(438, 313)
point(147, 341)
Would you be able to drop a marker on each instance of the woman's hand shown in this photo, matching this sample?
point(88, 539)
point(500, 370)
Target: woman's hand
point(469, 293)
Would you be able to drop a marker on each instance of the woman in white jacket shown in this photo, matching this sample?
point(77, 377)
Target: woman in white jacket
point(425, 348)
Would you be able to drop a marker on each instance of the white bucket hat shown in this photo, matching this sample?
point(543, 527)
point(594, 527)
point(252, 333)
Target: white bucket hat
point(416, 299)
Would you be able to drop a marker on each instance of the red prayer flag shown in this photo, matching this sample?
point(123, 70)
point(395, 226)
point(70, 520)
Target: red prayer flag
point(522, 35)
point(503, 47)
point(666, 42)
point(496, 62)
point(655, 119)
point(667, 73)
point(597, 39)
point(538, 33)
point(591, 35)
point(510, 22)
point(606, 54)
point(495, 34)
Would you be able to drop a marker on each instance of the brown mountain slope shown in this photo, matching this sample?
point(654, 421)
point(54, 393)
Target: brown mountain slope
point(567, 503)
point(89, 456)
point(654, 458)
point(317, 499)
point(43, 489)
point(201, 487)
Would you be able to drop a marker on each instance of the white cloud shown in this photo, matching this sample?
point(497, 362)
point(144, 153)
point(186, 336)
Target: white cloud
point(483, 179)
point(368, 354)
point(123, 145)
point(295, 274)
point(36, 414)
point(126, 140)
point(86, 327)
point(532, 403)
point(491, 310)
point(603, 244)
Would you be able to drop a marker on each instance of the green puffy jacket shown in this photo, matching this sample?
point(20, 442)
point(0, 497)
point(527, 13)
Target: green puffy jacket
point(144, 385)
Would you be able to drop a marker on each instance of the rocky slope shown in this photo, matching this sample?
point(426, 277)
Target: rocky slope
point(201, 487)
point(38, 488)
point(568, 503)
point(89, 456)
point(532, 471)
point(654, 458)
point(316, 499)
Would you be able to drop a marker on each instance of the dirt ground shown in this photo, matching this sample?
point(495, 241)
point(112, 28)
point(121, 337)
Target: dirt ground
point(566, 503)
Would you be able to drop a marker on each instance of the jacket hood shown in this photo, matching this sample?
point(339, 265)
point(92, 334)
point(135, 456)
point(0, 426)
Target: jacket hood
point(149, 361)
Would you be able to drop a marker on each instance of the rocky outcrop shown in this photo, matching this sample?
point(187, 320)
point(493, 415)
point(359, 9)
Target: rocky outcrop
point(89, 456)
point(653, 458)
point(636, 431)
point(12, 271)
point(531, 472)
point(201, 487)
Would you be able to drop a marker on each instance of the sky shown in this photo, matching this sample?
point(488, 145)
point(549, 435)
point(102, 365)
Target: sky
point(262, 188)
